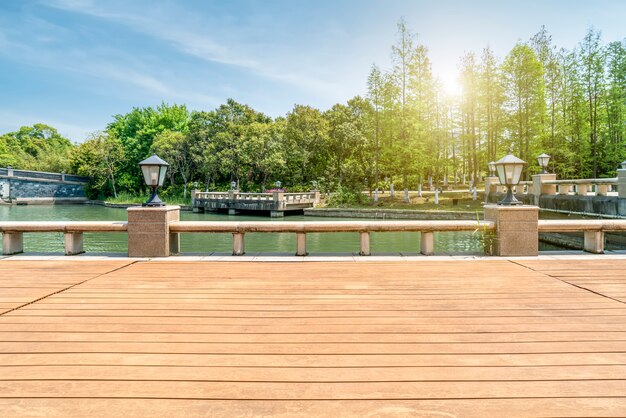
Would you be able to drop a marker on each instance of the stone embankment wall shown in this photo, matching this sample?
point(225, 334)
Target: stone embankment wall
point(603, 206)
point(32, 187)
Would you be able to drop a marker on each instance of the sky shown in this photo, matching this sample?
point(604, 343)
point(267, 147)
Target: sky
point(73, 64)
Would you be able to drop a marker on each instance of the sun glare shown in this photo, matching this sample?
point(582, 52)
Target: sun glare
point(450, 85)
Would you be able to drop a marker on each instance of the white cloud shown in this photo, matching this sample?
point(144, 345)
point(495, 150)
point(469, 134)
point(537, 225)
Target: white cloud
point(191, 40)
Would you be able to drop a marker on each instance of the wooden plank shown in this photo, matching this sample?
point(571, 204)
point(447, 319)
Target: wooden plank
point(311, 391)
point(521, 407)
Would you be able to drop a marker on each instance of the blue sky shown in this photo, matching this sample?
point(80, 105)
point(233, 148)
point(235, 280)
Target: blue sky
point(75, 63)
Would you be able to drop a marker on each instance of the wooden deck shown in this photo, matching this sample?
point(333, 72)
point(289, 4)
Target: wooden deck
point(375, 339)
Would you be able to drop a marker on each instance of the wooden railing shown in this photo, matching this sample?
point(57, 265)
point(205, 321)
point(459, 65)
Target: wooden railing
point(13, 233)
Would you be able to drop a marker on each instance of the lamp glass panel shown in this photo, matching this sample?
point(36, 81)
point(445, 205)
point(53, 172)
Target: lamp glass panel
point(163, 170)
point(501, 176)
point(150, 174)
point(543, 161)
point(516, 173)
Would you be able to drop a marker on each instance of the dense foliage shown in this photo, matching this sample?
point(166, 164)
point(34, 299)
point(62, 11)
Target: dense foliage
point(539, 98)
point(38, 147)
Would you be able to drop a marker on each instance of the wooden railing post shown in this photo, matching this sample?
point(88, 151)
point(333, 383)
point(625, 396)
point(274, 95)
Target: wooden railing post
point(364, 243)
point(301, 243)
point(12, 243)
point(73, 243)
point(238, 244)
point(427, 243)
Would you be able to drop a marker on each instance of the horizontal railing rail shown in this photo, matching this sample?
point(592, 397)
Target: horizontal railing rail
point(581, 225)
point(583, 181)
point(63, 226)
point(330, 226)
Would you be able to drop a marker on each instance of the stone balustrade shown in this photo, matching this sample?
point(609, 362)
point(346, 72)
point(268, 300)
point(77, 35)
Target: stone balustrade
point(276, 202)
point(13, 233)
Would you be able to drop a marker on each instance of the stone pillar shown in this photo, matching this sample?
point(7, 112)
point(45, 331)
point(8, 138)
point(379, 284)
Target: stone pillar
point(594, 242)
point(540, 188)
point(10, 171)
point(300, 243)
point(149, 231)
point(516, 231)
point(365, 243)
point(73, 243)
point(318, 197)
point(621, 182)
point(427, 243)
point(232, 194)
point(12, 243)
point(582, 189)
point(238, 244)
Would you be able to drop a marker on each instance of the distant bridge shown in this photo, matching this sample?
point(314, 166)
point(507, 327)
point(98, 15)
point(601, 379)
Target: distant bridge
point(276, 203)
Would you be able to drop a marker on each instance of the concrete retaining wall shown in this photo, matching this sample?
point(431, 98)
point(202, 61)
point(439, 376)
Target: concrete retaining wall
point(606, 206)
point(31, 187)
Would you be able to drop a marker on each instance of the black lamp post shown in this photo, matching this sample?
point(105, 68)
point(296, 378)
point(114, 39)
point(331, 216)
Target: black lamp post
point(278, 183)
point(543, 160)
point(233, 185)
point(509, 170)
point(314, 183)
point(623, 165)
point(154, 170)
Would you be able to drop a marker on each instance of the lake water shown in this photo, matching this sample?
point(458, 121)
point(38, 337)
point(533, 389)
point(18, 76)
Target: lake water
point(384, 242)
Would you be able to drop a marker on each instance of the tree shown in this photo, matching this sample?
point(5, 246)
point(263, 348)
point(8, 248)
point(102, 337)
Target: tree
point(592, 64)
point(174, 147)
point(39, 147)
point(137, 130)
point(101, 157)
point(523, 75)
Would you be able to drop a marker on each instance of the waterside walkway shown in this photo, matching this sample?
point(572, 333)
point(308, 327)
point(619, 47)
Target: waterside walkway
point(91, 337)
